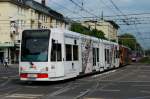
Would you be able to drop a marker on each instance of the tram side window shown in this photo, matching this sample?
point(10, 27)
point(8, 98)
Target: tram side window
point(59, 54)
point(108, 56)
point(105, 54)
point(68, 52)
point(97, 54)
point(53, 52)
point(94, 56)
point(56, 53)
point(75, 53)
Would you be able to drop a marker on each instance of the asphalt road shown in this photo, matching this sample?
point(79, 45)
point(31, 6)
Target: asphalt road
point(130, 82)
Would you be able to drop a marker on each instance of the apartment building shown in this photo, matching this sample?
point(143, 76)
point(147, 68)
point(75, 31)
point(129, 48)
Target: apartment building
point(109, 27)
point(17, 15)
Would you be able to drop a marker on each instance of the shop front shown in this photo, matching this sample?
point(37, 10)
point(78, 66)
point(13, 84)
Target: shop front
point(5, 52)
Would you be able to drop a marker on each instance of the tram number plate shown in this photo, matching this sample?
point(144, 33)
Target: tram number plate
point(32, 75)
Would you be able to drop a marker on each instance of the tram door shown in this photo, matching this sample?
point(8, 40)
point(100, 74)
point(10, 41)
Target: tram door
point(107, 57)
point(72, 56)
point(95, 52)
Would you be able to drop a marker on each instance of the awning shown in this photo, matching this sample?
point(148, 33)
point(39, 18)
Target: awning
point(7, 44)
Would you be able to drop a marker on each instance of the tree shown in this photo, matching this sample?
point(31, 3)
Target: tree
point(147, 52)
point(129, 41)
point(98, 34)
point(77, 27)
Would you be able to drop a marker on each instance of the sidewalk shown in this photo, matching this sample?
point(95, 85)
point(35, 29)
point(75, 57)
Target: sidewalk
point(9, 72)
point(13, 65)
point(9, 66)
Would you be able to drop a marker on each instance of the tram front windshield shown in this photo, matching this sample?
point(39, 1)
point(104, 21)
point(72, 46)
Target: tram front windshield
point(34, 45)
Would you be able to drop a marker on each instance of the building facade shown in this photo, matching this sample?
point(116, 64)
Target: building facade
point(110, 28)
point(17, 15)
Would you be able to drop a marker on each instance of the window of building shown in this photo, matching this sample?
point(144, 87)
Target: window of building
point(51, 22)
point(56, 24)
point(32, 12)
point(68, 52)
point(75, 53)
point(46, 19)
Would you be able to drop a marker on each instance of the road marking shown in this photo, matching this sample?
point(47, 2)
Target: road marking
point(82, 94)
point(104, 73)
point(129, 81)
point(6, 88)
point(14, 76)
point(141, 85)
point(109, 90)
point(5, 83)
point(92, 98)
point(60, 91)
point(31, 86)
point(25, 96)
point(140, 97)
point(145, 91)
point(4, 77)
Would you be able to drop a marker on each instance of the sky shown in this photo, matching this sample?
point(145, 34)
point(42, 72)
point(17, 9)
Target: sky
point(141, 30)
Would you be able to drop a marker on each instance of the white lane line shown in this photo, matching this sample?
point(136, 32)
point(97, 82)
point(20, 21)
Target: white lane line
point(5, 83)
point(25, 96)
point(82, 94)
point(4, 77)
point(92, 98)
point(2, 89)
point(148, 97)
point(141, 85)
point(109, 90)
point(104, 73)
point(145, 91)
point(14, 76)
point(59, 92)
point(128, 81)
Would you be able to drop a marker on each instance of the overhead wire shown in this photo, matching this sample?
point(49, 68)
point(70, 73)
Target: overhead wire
point(126, 18)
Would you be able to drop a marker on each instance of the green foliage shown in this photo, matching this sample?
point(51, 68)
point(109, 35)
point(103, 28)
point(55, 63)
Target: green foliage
point(113, 40)
point(145, 60)
point(129, 41)
point(147, 52)
point(77, 27)
point(98, 33)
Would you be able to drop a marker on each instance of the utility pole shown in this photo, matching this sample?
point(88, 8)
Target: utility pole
point(102, 16)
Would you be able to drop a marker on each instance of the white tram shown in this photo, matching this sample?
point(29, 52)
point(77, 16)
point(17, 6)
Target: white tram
point(57, 54)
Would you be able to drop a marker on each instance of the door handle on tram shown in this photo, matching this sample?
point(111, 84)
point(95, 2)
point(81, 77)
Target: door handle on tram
point(72, 64)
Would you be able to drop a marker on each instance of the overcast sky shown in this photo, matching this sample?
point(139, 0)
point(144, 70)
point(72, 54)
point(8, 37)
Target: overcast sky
point(96, 7)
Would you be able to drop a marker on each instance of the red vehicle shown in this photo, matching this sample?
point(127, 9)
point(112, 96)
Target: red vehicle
point(124, 54)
